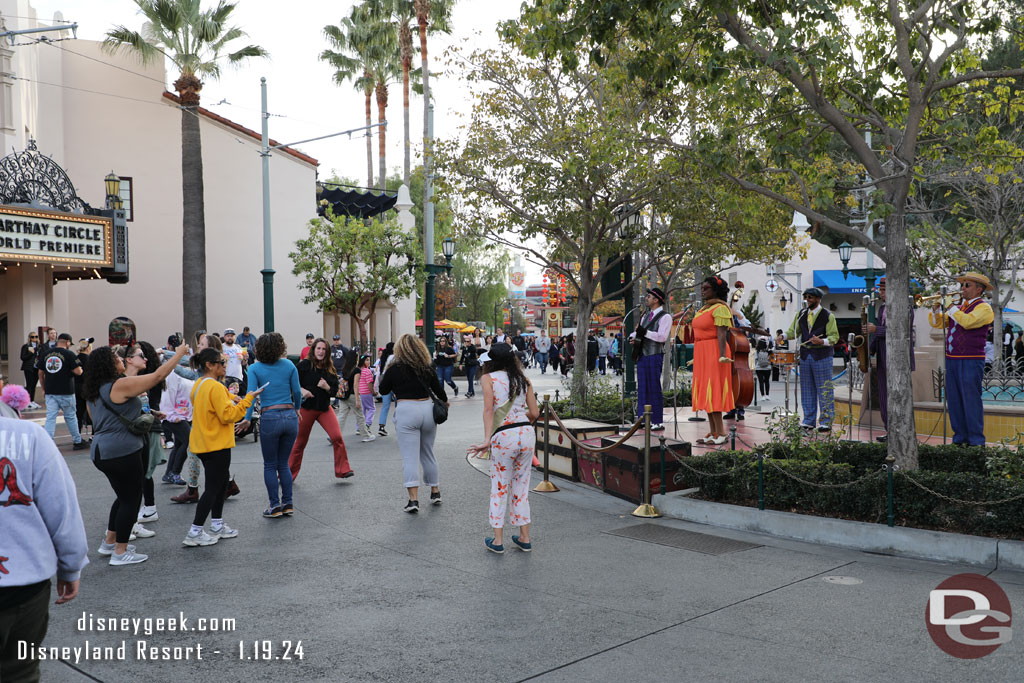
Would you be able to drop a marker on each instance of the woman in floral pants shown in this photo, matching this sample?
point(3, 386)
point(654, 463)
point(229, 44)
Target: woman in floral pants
point(510, 408)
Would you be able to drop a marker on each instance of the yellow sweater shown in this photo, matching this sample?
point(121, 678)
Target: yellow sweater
point(214, 415)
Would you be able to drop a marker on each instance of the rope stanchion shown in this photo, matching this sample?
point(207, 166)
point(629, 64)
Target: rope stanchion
point(545, 486)
point(661, 448)
point(645, 509)
point(760, 480)
point(601, 449)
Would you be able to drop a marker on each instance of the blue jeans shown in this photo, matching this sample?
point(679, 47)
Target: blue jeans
point(278, 429)
point(385, 406)
point(470, 374)
point(444, 375)
point(65, 404)
point(542, 360)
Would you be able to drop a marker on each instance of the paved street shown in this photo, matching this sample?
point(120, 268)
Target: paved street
point(375, 594)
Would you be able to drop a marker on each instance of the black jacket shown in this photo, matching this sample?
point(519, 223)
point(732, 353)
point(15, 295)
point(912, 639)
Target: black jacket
point(309, 377)
point(29, 357)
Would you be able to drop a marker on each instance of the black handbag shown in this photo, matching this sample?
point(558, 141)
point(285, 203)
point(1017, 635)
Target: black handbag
point(440, 409)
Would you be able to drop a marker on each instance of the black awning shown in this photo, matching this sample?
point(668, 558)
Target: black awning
point(352, 203)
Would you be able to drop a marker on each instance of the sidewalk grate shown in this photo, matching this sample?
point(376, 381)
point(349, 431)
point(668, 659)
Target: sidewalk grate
point(686, 540)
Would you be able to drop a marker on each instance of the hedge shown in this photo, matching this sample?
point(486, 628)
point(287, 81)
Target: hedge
point(954, 472)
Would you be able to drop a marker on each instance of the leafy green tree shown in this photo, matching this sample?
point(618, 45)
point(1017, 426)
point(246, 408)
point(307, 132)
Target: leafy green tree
point(351, 265)
point(196, 42)
point(803, 86)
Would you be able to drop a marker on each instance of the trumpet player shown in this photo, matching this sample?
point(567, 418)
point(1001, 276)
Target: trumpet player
point(877, 349)
point(967, 325)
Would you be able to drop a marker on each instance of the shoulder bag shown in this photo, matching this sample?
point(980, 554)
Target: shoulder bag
point(440, 409)
point(140, 426)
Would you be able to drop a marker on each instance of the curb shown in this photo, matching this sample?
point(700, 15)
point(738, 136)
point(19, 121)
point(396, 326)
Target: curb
point(922, 544)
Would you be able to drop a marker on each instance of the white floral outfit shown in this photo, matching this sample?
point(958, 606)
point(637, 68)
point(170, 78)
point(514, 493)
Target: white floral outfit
point(511, 457)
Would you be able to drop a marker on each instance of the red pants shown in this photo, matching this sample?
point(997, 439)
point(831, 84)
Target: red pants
point(329, 422)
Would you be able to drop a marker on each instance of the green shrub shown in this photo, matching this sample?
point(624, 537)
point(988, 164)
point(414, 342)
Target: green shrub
point(865, 498)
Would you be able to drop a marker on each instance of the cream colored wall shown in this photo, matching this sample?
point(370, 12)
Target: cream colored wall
point(141, 139)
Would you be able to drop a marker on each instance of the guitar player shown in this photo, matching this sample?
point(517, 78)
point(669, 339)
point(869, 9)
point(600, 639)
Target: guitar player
point(649, 352)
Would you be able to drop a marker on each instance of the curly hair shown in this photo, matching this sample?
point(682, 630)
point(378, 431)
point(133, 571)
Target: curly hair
point(719, 286)
point(100, 369)
point(270, 347)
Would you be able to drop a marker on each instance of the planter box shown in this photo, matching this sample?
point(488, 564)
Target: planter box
point(562, 451)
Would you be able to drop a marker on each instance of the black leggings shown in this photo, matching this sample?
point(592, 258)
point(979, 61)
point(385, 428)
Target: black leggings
point(216, 464)
point(125, 476)
point(31, 379)
point(179, 434)
point(763, 378)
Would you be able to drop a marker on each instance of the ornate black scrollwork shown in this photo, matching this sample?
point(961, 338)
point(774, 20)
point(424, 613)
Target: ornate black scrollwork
point(29, 177)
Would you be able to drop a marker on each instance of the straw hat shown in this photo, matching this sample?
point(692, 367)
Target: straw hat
point(975, 277)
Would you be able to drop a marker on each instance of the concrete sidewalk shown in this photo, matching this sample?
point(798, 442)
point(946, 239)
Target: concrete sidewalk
point(375, 594)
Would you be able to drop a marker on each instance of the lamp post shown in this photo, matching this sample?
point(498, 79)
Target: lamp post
point(869, 274)
point(433, 270)
point(629, 218)
point(112, 185)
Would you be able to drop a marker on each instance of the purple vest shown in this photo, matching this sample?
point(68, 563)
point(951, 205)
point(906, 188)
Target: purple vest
point(962, 343)
point(815, 352)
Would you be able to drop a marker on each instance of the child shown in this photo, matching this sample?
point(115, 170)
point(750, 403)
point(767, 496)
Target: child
point(366, 393)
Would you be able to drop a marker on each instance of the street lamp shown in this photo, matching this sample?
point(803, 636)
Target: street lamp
point(629, 220)
point(845, 251)
point(433, 270)
point(782, 302)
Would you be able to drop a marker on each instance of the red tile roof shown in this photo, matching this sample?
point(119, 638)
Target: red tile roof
point(246, 131)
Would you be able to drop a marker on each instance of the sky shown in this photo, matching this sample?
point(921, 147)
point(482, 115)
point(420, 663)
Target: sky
point(302, 98)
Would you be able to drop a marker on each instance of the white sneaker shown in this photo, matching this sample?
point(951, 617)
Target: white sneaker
point(33, 405)
point(142, 532)
point(129, 557)
point(201, 538)
point(148, 514)
point(224, 532)
point(371, 437)
point(108, 548)
point(168, 444)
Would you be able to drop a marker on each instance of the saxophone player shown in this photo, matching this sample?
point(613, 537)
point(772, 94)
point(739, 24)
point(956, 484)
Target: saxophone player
point(966, 324)
point(877, 349)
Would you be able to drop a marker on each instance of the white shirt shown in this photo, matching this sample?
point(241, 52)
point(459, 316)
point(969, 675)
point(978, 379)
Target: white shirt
point(233, 353)
point(664, 326)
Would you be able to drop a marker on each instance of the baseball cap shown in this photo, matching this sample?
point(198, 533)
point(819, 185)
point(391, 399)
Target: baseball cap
point(309, 335)
point(336, 337)
point(497, 352)
point(230, 330)
point(64, 336)
point(89, 340)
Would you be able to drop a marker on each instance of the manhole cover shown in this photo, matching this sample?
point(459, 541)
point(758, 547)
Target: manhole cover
point(842, 580)
point(686, 540)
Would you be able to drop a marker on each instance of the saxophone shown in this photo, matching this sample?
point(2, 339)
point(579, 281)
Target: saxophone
point(860, 342)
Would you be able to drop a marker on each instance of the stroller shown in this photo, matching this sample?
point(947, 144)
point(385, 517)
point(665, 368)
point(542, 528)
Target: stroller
point(234, 385)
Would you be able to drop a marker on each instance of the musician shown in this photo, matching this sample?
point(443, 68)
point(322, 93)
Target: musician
point(651, 335)
point(967, 325)
point(877, 348)
point(712, 358)
point(816, 333)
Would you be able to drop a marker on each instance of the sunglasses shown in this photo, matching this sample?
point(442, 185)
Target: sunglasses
point(139, 355)
point(34, 336)
point(220, 362)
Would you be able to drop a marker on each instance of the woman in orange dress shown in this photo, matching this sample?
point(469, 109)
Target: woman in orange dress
point(712, 358)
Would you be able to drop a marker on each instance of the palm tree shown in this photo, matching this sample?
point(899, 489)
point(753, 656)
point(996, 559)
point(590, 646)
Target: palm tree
point(195, 41)
point(353, 50)
point(436, 14)
point(385, 66)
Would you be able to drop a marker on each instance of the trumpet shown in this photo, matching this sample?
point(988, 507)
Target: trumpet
point(943, 300)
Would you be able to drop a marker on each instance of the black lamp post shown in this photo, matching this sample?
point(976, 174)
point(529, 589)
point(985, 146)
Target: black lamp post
point(869, 274)
point(629, 220)
point(433, 270)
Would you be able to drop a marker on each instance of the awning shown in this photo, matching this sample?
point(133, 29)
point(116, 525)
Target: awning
point(352, 203)
point(832, 282)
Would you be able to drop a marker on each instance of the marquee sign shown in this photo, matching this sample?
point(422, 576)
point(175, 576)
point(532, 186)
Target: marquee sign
point(57, 238)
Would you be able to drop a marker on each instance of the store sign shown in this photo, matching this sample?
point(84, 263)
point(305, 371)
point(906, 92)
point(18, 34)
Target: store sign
point(55, 238)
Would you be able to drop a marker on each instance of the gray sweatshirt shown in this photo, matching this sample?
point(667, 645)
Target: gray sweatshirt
point(42, 525)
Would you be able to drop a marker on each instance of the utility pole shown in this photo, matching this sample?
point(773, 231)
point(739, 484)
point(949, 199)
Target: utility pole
point(268, 267)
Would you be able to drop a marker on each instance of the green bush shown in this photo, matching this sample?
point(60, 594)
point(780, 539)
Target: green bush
point(945, 470)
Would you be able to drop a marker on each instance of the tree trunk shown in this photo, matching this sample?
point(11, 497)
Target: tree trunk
point(902, 441)
point(422, 18)
point(382, 107)
point(999, 358)
point(369, 138)
point(193, 215)
point(407, 149)
point(584, 308)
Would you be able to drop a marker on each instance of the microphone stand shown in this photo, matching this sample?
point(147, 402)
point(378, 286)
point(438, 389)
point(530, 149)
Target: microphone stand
point(675, 372)
point(849, 385)
point(625, 341)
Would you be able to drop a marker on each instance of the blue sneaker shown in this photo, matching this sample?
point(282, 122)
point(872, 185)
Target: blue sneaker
point(178, 481)
point(489, 542)
point(525, 547)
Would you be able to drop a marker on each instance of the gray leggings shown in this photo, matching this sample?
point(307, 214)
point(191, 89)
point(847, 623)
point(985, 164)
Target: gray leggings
point(415, 430)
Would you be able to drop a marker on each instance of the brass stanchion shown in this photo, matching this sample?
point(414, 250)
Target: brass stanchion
point(546, 486)
point(645, 509)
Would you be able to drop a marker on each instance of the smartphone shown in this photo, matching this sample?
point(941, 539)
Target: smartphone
point(263, 387)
